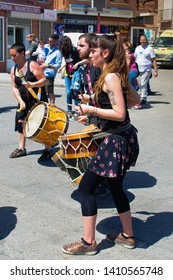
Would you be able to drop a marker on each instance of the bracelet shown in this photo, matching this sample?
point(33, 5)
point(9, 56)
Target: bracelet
point(156, 71)
point(94, 111)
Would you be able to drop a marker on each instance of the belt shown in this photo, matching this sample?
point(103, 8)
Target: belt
point(114, 131)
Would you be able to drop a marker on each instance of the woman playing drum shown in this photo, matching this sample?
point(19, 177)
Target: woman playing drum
point(119, 147)
point(35, 78)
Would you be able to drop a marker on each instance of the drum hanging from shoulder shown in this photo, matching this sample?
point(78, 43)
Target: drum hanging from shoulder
point(45, 123)
point(74, 168)
point(79, 145)
point(76, 151)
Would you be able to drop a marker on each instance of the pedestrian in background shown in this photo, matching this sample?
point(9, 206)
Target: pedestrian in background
point(133, 67)
point(145, 58)
point(40, 51)
point(70, 58)
point(51, 64)
point(33, 46)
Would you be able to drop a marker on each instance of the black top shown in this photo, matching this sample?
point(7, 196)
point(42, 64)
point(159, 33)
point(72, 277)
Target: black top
point(108, 125)
point(26, 96)
point(29, 76)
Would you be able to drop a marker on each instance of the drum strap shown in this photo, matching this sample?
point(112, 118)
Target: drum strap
point(31, 91)
point(114, 131)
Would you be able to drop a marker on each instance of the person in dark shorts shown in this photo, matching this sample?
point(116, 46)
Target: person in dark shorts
point(35, 79)
point(51, 65)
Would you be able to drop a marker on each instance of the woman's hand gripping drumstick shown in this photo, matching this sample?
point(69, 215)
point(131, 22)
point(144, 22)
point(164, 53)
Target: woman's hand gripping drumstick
point(84, 109)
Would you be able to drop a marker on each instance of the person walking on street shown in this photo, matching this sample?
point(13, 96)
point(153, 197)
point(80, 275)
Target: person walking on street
point(51, 65)
point(35, 78)
point(145, 58)
point(32, 48)
point(40, 51)
point(119, 147)
point(70, 58)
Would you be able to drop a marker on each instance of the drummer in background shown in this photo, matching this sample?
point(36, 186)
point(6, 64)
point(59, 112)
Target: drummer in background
point(118, 150)
point(36, 79)
point(90, 75)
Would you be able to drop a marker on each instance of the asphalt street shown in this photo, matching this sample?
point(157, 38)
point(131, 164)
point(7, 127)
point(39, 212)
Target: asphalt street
point(39, 206)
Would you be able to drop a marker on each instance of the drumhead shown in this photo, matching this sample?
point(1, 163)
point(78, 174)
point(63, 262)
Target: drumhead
point(34, 119)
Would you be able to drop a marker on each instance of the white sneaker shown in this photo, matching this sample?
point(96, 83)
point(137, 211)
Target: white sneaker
point(71, 119)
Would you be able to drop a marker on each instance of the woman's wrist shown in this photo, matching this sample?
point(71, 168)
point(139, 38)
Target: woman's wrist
point(93, 110)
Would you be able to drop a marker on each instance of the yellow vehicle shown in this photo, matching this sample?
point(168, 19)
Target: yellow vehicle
point(163, 48)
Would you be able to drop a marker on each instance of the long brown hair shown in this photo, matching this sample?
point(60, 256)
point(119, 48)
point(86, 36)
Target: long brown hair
point(116, 60)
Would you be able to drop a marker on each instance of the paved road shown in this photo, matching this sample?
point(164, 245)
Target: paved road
point(39, 206)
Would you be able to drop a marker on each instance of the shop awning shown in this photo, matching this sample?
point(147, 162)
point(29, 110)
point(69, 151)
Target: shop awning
point(20, 6)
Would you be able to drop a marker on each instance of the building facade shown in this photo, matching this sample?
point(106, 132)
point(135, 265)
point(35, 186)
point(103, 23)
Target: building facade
point(130, 17)
point(17, 19)
point(43, 17)
point(165, 15)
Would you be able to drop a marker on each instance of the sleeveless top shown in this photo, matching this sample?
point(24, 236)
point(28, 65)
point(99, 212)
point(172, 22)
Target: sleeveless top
point(25, 95)
point(104, 103)
point(117, 151)
point(29, 76)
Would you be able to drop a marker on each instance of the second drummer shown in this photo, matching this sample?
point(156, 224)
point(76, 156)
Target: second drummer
point(35, 78)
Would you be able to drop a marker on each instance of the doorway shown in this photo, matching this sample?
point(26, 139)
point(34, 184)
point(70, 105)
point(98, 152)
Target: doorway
point(15, 34)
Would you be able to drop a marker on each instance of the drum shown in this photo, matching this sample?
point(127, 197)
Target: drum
point(45, 123)
point(79, 145)
point(76, 151)
point(74, 168)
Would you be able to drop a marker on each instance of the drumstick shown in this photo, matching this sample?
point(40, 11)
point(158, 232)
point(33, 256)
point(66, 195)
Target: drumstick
point(32, 92)
point(71, 105)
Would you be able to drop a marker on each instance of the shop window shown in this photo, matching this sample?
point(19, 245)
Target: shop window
point(1, 39)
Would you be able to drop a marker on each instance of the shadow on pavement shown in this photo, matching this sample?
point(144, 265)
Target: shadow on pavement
point(7, 109)
point(148, 230)
point(159, 102)
point(8, 220)
point(133, 180)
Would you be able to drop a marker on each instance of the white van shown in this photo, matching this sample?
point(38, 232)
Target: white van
point(73, 36)
point(163, 48)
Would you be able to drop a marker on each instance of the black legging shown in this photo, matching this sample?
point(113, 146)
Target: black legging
point(90, 182)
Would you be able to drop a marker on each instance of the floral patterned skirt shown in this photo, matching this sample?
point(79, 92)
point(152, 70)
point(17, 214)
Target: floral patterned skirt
point(116, 152)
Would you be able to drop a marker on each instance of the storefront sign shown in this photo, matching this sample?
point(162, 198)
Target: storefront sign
point(20, 8)
point(78, 21)
point(50, 15)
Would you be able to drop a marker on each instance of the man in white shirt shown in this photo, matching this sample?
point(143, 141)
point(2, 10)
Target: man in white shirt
point(145, 58)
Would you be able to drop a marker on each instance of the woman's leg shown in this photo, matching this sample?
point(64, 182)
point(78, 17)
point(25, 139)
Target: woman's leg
point(122, 203)
point(132, 78)
point(87, 187)
point(89, 224)
point(126, 221)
